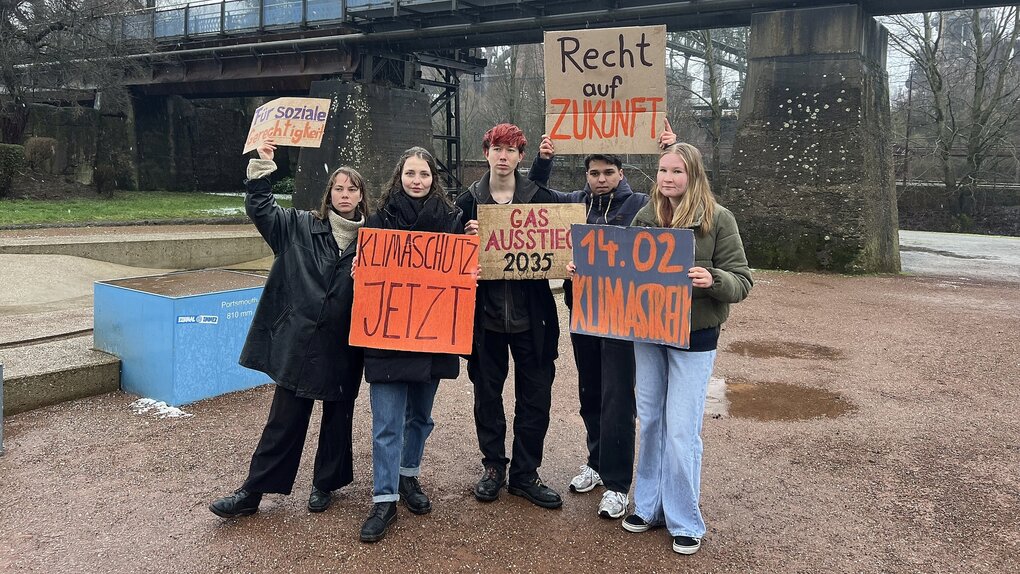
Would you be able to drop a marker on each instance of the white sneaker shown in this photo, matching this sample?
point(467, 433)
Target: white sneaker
point(587, 480)
point(613, 505)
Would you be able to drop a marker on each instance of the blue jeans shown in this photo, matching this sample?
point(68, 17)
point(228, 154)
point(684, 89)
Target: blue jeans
point(671, 386)
point(401, 422)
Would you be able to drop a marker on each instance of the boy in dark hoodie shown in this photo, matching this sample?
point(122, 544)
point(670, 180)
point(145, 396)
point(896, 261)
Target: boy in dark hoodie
point(605, 367)
point(511, 318)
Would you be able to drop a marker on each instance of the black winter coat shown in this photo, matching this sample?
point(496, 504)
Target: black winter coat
point(388, 366)
point(300, 331)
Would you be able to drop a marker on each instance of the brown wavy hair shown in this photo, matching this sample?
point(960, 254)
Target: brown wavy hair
point(359, 182)
point(396, 186)
point(698, 199)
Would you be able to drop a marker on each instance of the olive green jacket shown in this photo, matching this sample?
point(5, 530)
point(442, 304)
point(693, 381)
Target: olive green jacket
point(720, 252)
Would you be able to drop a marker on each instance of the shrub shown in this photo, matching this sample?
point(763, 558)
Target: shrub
point(105, 178)
point(12, 161)
point(284, 186)
point(39, 153)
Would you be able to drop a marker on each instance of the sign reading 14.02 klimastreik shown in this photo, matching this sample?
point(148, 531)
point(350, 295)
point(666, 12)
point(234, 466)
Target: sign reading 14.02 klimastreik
point(631, 283)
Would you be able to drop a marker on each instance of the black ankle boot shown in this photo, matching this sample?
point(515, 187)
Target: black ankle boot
point(383, 514)
point(413, 496)
point(241, 503)
point(318, 500)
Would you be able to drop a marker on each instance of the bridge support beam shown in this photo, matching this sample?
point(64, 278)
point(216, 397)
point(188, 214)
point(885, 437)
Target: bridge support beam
point(811, 179)
point(371, 126)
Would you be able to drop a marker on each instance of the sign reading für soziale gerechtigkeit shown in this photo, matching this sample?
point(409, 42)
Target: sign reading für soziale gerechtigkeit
point(298, 122)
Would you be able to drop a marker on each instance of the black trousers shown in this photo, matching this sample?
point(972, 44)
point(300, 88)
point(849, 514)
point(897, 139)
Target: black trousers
point(605, 386)
point(275, 462)
point(488, 368)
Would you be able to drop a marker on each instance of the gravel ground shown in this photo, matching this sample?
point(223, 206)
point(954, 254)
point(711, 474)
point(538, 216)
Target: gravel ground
point(908, 462)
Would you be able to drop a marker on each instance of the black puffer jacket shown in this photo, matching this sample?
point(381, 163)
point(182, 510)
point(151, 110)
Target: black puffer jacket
point(386, 366)
point(300, 330)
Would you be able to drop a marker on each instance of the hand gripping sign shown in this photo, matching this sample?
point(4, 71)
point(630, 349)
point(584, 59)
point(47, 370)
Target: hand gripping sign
point(414, 291)
point(605, 89)
point(631, 283)
point(298, 122)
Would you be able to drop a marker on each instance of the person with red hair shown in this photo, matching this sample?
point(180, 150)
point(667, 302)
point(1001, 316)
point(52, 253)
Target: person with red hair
point(515, 318)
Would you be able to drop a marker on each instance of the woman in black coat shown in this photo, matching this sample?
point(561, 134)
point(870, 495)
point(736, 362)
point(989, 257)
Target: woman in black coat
point(299, 337)
point(403, 384)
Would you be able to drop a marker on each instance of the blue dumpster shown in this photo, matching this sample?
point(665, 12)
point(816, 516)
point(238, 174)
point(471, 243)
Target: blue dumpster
point(179, 335)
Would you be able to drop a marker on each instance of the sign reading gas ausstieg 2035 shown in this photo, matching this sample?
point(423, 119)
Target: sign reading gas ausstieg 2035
point(605, 89)
point(526, 241)
point(631, 283)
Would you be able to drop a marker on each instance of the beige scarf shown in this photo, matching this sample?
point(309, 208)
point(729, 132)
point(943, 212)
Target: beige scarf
point(344, 230)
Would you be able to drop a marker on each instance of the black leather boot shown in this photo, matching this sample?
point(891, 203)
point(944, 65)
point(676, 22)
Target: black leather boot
point(241, 503)
point(413, 496)
point(383, 514)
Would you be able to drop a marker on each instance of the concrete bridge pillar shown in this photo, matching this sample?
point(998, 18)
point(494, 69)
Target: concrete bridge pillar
point(811, 179)
point(369, 127)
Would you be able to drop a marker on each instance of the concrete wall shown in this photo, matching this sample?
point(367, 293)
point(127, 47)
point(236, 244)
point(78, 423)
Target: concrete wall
point(811, 179)
point(76, 131)
point(187, 147)
point(369, 128)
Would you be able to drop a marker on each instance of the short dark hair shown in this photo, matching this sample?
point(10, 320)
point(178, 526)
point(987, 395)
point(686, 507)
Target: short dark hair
point(606, 157)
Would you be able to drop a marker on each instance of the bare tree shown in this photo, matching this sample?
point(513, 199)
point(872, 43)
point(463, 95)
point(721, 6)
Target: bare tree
point(969, 61)
point(54, 46)
point(721, 56)
point(511, 90)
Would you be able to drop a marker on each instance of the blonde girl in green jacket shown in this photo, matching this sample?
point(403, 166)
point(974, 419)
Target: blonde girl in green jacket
point(671, 383)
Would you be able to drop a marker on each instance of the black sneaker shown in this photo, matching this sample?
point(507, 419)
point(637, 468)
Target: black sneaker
point(686, 544)
point(493, 479)
point(383, 514)
point(634, 523)
point(241, 503)
point(411, 493)
point(318, 500)
point(537, 493)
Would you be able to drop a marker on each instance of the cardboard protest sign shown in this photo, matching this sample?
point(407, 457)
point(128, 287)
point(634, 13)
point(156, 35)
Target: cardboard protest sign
point(631, 283)
point(605, 90)
point(413, 291)
point(527, 241)
point(297, 122)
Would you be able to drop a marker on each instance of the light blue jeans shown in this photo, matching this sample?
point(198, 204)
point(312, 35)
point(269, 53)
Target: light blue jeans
point(401, 422)
point(671, 385)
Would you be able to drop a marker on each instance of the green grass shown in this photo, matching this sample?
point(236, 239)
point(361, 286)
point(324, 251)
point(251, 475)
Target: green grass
point(123, 206)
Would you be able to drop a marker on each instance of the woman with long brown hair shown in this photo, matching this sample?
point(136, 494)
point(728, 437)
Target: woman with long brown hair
point(299, 336)
point(403, 384)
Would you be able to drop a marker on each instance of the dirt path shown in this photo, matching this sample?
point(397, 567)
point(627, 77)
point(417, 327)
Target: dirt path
point(910, 467)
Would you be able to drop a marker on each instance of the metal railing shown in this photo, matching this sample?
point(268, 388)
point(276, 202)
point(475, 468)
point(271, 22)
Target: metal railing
point(231, 17)
point(227, 17)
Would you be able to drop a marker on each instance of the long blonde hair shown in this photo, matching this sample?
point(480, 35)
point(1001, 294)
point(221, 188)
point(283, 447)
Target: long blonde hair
point(697, 199)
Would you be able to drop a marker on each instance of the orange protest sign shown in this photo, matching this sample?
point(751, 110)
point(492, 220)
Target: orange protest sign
point(414, 291)
point(605, 89)
point(298, 122)
point(527, 241)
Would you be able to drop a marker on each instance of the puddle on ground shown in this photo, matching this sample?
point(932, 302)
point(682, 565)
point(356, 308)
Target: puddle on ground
point(783, 349)
point(772, 401)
